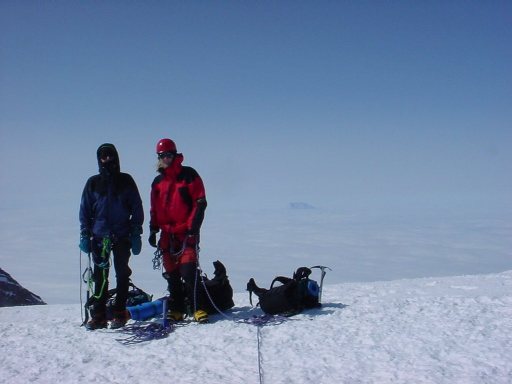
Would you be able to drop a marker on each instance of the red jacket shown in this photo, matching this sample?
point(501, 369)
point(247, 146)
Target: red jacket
point(178, 199)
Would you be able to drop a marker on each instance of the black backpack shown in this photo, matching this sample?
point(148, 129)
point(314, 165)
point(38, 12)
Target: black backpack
point(136, 296)
point(290, 298)
point(219, 290)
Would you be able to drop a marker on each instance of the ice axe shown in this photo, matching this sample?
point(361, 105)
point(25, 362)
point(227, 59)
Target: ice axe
point(322, 268)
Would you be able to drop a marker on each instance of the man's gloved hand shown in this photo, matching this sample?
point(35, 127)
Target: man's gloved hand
point(85, 241)
point(136, 244)
point(152, 237)
point(135, 240)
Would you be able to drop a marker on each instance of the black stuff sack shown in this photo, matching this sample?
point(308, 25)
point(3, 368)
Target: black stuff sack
point(291, 297)
point(216, 293)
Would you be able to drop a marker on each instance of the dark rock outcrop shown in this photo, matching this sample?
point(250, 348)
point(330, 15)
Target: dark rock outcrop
point(13, 294)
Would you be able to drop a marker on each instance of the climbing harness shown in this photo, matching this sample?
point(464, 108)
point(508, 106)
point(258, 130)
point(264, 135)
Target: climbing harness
point(158, 255)
point(180, 251)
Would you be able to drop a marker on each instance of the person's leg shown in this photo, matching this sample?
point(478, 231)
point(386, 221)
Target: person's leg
point(190, 275)
point(121, 251)
point(100, 278)
point(176, 301)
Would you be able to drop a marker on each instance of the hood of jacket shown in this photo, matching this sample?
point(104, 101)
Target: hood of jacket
point(174, 169)
point(111, 167)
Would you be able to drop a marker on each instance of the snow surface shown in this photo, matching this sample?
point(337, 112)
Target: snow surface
point(425, 330)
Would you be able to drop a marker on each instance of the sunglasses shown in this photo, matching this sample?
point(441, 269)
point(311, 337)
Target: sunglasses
point(107, 154)
point(164, 155)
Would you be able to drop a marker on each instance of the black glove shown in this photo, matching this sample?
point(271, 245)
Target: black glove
point(152, 238)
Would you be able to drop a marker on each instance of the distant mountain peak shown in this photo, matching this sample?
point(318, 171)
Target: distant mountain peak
point(301, 205)
point(13, 294)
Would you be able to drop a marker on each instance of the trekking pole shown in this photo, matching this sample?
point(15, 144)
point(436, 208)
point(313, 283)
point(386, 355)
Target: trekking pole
point(81, 280)
point(322, 268)
point(198, 275)
point(86, 278)
point(165, 321)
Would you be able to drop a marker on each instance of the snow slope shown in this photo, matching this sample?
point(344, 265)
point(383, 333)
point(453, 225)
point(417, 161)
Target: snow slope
point(427, 330)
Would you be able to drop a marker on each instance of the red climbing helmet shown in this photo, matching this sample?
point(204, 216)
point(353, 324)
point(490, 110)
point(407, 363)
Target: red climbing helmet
point(165, 145)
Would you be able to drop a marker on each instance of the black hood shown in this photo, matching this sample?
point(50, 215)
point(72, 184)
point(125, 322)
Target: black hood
point(112, 166)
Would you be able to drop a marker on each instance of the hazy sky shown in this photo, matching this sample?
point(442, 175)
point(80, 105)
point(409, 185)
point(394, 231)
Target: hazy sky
point(334, 103)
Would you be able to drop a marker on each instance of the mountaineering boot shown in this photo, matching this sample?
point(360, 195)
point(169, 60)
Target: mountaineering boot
point(201, 316)
point(119, 320)
point(174, 316)
point(96, 323)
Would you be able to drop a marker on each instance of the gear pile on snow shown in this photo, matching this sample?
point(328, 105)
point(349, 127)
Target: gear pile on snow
point(216, 293)
point(136, 296)
point(294, 295)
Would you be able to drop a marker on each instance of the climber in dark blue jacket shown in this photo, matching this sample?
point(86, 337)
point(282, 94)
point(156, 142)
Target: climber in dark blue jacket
point(111, 218)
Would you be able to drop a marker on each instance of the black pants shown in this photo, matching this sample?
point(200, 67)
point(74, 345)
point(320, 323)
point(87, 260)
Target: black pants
point(121, 256)
point(184, 286)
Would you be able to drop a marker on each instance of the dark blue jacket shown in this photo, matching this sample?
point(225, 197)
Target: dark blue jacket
point(111, 204)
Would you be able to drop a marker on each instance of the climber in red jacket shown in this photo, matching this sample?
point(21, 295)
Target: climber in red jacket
point(178, 203)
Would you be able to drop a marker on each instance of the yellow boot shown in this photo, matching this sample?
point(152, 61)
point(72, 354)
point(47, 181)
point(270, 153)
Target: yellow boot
point(174, 316)
point(201, 316)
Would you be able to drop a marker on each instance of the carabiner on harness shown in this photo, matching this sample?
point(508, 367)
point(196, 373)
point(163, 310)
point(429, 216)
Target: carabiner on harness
point(106, 248)
point(157, 259)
